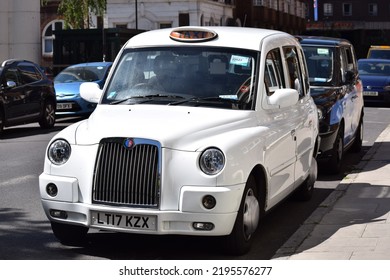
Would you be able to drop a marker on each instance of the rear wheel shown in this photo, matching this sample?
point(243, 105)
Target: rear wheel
point(337, 154)
point(248, 217)
point(69, 234)
point(1, 122)
point(48, 117)
point(358, 143)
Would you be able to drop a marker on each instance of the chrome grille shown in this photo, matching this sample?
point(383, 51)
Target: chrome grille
point(127, 176)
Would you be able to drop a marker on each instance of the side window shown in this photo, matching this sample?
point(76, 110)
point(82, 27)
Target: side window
point(294, 69)
point(273, 72)
point(305, 72)
point(11, 74)
point(29, 74)
point(350, 59)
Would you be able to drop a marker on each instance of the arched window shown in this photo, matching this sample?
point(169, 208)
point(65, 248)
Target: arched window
point(48, 36)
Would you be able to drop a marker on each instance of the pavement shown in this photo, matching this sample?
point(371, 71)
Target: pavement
point(353, 222)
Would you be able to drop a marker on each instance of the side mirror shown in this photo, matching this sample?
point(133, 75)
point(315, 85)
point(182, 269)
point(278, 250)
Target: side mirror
point(91, 92)
point(284, 97)
point(11, 84)
point(349, 76)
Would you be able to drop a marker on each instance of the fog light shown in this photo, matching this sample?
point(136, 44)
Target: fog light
point(203, 226)
point(52, 190)
point(58, 214)
point(209, 202)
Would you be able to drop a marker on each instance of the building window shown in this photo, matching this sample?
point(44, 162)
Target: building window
point(184, 19)
point(328, 9)
point(373, 9)
point(347, 9)
point(165, 25)
point(259, 3)
point(48, 36)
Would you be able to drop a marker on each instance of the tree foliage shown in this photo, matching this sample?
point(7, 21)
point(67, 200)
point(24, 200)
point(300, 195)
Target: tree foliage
point(76, 12)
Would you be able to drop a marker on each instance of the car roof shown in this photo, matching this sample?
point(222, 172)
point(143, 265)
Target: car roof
point(14, 60)
point(101, 63)
point(321, 40)
point(377, 60)
point(234, 37)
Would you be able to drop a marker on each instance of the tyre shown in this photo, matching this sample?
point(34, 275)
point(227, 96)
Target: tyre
point(1, 123)
point(337, 154)
point(70, 234)
point(305, 190)
point(358, 143)
point(247, 220)
point(48, 117)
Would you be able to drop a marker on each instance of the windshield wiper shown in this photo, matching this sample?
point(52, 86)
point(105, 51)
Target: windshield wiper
point(205, 99)
point(148, 97)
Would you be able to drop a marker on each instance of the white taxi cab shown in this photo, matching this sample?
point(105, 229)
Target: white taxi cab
point(198, 131)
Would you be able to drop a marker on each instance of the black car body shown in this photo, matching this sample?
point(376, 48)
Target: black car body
point(336, 88)
point(26, 95)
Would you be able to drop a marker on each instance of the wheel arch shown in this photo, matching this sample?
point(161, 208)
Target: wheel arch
point(260, 175)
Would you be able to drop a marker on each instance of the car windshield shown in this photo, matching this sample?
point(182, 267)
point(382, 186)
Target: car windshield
point(370, 68)
point(320, 64)
point(191, 76)
point(81, 74)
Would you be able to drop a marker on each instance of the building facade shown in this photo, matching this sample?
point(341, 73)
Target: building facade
point(363, 22)
point(156, 14)
point(20, 30)
point(285, 15)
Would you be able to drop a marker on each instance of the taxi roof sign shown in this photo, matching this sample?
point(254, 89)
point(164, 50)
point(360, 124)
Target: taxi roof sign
point(192, 35)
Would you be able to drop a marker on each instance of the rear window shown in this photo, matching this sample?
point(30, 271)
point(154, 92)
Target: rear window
point(382, 53)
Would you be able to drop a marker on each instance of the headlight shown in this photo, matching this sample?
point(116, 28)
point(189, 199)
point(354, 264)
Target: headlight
point(59, 152)
point(212, 161)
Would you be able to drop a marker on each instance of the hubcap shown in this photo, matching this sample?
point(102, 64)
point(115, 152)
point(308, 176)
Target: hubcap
point(50, 114)
point(251, 214)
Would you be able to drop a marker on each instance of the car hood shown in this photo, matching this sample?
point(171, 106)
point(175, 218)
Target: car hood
point(67, 88)
point(176, 127)
point(324, 96)
point(375, 81)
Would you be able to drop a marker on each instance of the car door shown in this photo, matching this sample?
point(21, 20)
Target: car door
point(280, 146)
point(13, 94)
point(349, 95)
point(305, 117)
point(30, 77)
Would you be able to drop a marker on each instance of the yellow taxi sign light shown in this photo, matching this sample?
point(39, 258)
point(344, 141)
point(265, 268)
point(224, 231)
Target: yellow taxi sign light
point(192, 35)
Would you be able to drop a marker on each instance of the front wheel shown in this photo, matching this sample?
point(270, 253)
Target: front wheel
point(67, 234)
point(48, 116)
point(247, 220)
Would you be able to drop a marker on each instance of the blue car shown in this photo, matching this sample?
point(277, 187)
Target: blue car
point(375, 74)
point(67, 84)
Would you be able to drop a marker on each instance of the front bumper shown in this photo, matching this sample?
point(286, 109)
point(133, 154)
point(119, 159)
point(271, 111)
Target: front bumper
point(165, 221)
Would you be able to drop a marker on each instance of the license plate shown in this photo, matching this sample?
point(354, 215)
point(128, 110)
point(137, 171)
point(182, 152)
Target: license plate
point(370, 93)
point(62, 106)
point(124, 221)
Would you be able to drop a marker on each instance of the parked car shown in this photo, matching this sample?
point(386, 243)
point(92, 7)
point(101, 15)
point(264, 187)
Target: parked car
point(379, 52)
point(337, 89)
point(198, 131)
point(67, 85)
point(26, 95)
point(375, 74)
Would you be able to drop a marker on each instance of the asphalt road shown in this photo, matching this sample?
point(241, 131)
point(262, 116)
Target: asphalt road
point(25, 233)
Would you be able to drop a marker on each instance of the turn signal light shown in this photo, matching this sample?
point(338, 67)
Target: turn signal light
point(203, 226)
point(58, 214)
